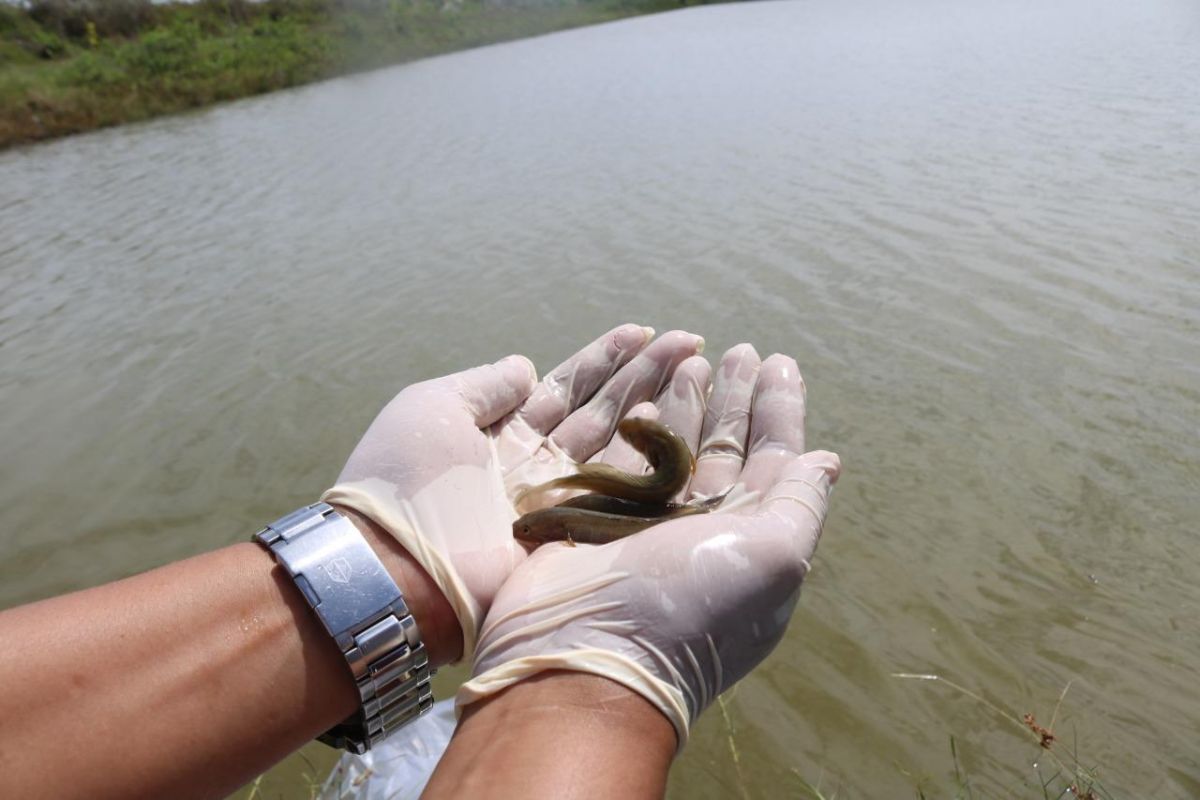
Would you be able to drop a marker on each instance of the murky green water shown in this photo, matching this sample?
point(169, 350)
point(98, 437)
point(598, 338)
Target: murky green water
point(977, 229)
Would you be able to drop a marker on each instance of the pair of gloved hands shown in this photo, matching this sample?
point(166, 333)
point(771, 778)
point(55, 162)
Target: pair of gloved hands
point(677, 613)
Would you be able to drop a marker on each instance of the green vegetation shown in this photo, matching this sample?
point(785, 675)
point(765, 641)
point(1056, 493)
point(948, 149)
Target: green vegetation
point(74, 65)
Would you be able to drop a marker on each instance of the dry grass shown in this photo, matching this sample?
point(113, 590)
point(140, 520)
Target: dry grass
point(1071, 778)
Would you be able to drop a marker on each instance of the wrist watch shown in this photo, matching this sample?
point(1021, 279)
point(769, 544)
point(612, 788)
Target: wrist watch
point(363, 610)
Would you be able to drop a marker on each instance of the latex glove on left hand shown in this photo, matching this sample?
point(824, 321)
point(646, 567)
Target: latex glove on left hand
point(438, 467)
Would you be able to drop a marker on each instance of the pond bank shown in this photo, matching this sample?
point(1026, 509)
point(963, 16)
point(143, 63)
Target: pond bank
point(68, 66)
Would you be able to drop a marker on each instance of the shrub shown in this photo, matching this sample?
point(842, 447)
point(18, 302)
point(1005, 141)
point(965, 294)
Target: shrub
point(24, 40)
point(163, 51)
point(111, 17)
point(92, 70)
point(238, 11)
point(10, 19)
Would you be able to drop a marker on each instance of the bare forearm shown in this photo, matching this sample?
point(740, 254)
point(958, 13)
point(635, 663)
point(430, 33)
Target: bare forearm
point(146, 681)
point(185, 681)
point(563, 735)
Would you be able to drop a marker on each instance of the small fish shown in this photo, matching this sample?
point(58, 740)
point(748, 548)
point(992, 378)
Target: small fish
point(666, 451)
point(566, 524)
point(622, 504)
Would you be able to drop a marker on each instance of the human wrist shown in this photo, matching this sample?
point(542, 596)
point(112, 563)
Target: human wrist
point(558, 729)
point(436, 621)
point(569, 694)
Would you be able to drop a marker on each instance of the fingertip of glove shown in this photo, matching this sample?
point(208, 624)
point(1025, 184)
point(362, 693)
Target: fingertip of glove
point(742, 362)
point(518, 371)
point(826, 460)
point(678, 342)
point(779, 368)
point(740, 351)
point(627, 340)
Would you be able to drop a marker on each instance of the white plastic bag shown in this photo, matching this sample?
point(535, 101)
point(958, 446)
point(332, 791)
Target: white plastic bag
point(399, 768)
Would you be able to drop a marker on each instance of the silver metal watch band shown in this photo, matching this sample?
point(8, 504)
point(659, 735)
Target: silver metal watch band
point(364, 611)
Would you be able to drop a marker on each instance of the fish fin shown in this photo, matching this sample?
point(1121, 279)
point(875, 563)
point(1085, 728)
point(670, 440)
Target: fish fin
point(533, 492)
point(709, 503)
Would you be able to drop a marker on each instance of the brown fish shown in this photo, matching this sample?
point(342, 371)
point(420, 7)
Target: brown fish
point(622, 504)
point(566, 524)
point(666, 451)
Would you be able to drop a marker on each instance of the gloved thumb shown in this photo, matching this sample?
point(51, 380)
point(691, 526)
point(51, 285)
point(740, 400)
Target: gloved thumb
point(493, 390)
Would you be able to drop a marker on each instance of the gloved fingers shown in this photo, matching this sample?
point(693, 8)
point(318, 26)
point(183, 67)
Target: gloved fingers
point(573, 382)
point(722, 449)
point(776, 423)
point(493, 390)
point(798, 500)
point(778, 409)
point(591, 427)
point(681, 404)
point(620, 453)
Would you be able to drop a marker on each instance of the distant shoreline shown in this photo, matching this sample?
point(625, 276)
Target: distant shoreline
point(73, 66)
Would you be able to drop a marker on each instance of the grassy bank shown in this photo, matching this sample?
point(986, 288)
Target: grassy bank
point(75, 65)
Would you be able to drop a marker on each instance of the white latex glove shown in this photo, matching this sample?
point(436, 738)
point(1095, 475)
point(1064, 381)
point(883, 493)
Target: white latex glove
point(681, 611)
point(439, 466)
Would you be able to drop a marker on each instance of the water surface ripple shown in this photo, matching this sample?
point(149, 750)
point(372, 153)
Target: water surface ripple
point(974, 225)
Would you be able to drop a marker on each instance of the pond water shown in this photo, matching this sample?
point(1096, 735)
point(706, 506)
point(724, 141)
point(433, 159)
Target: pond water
point(976, 226)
